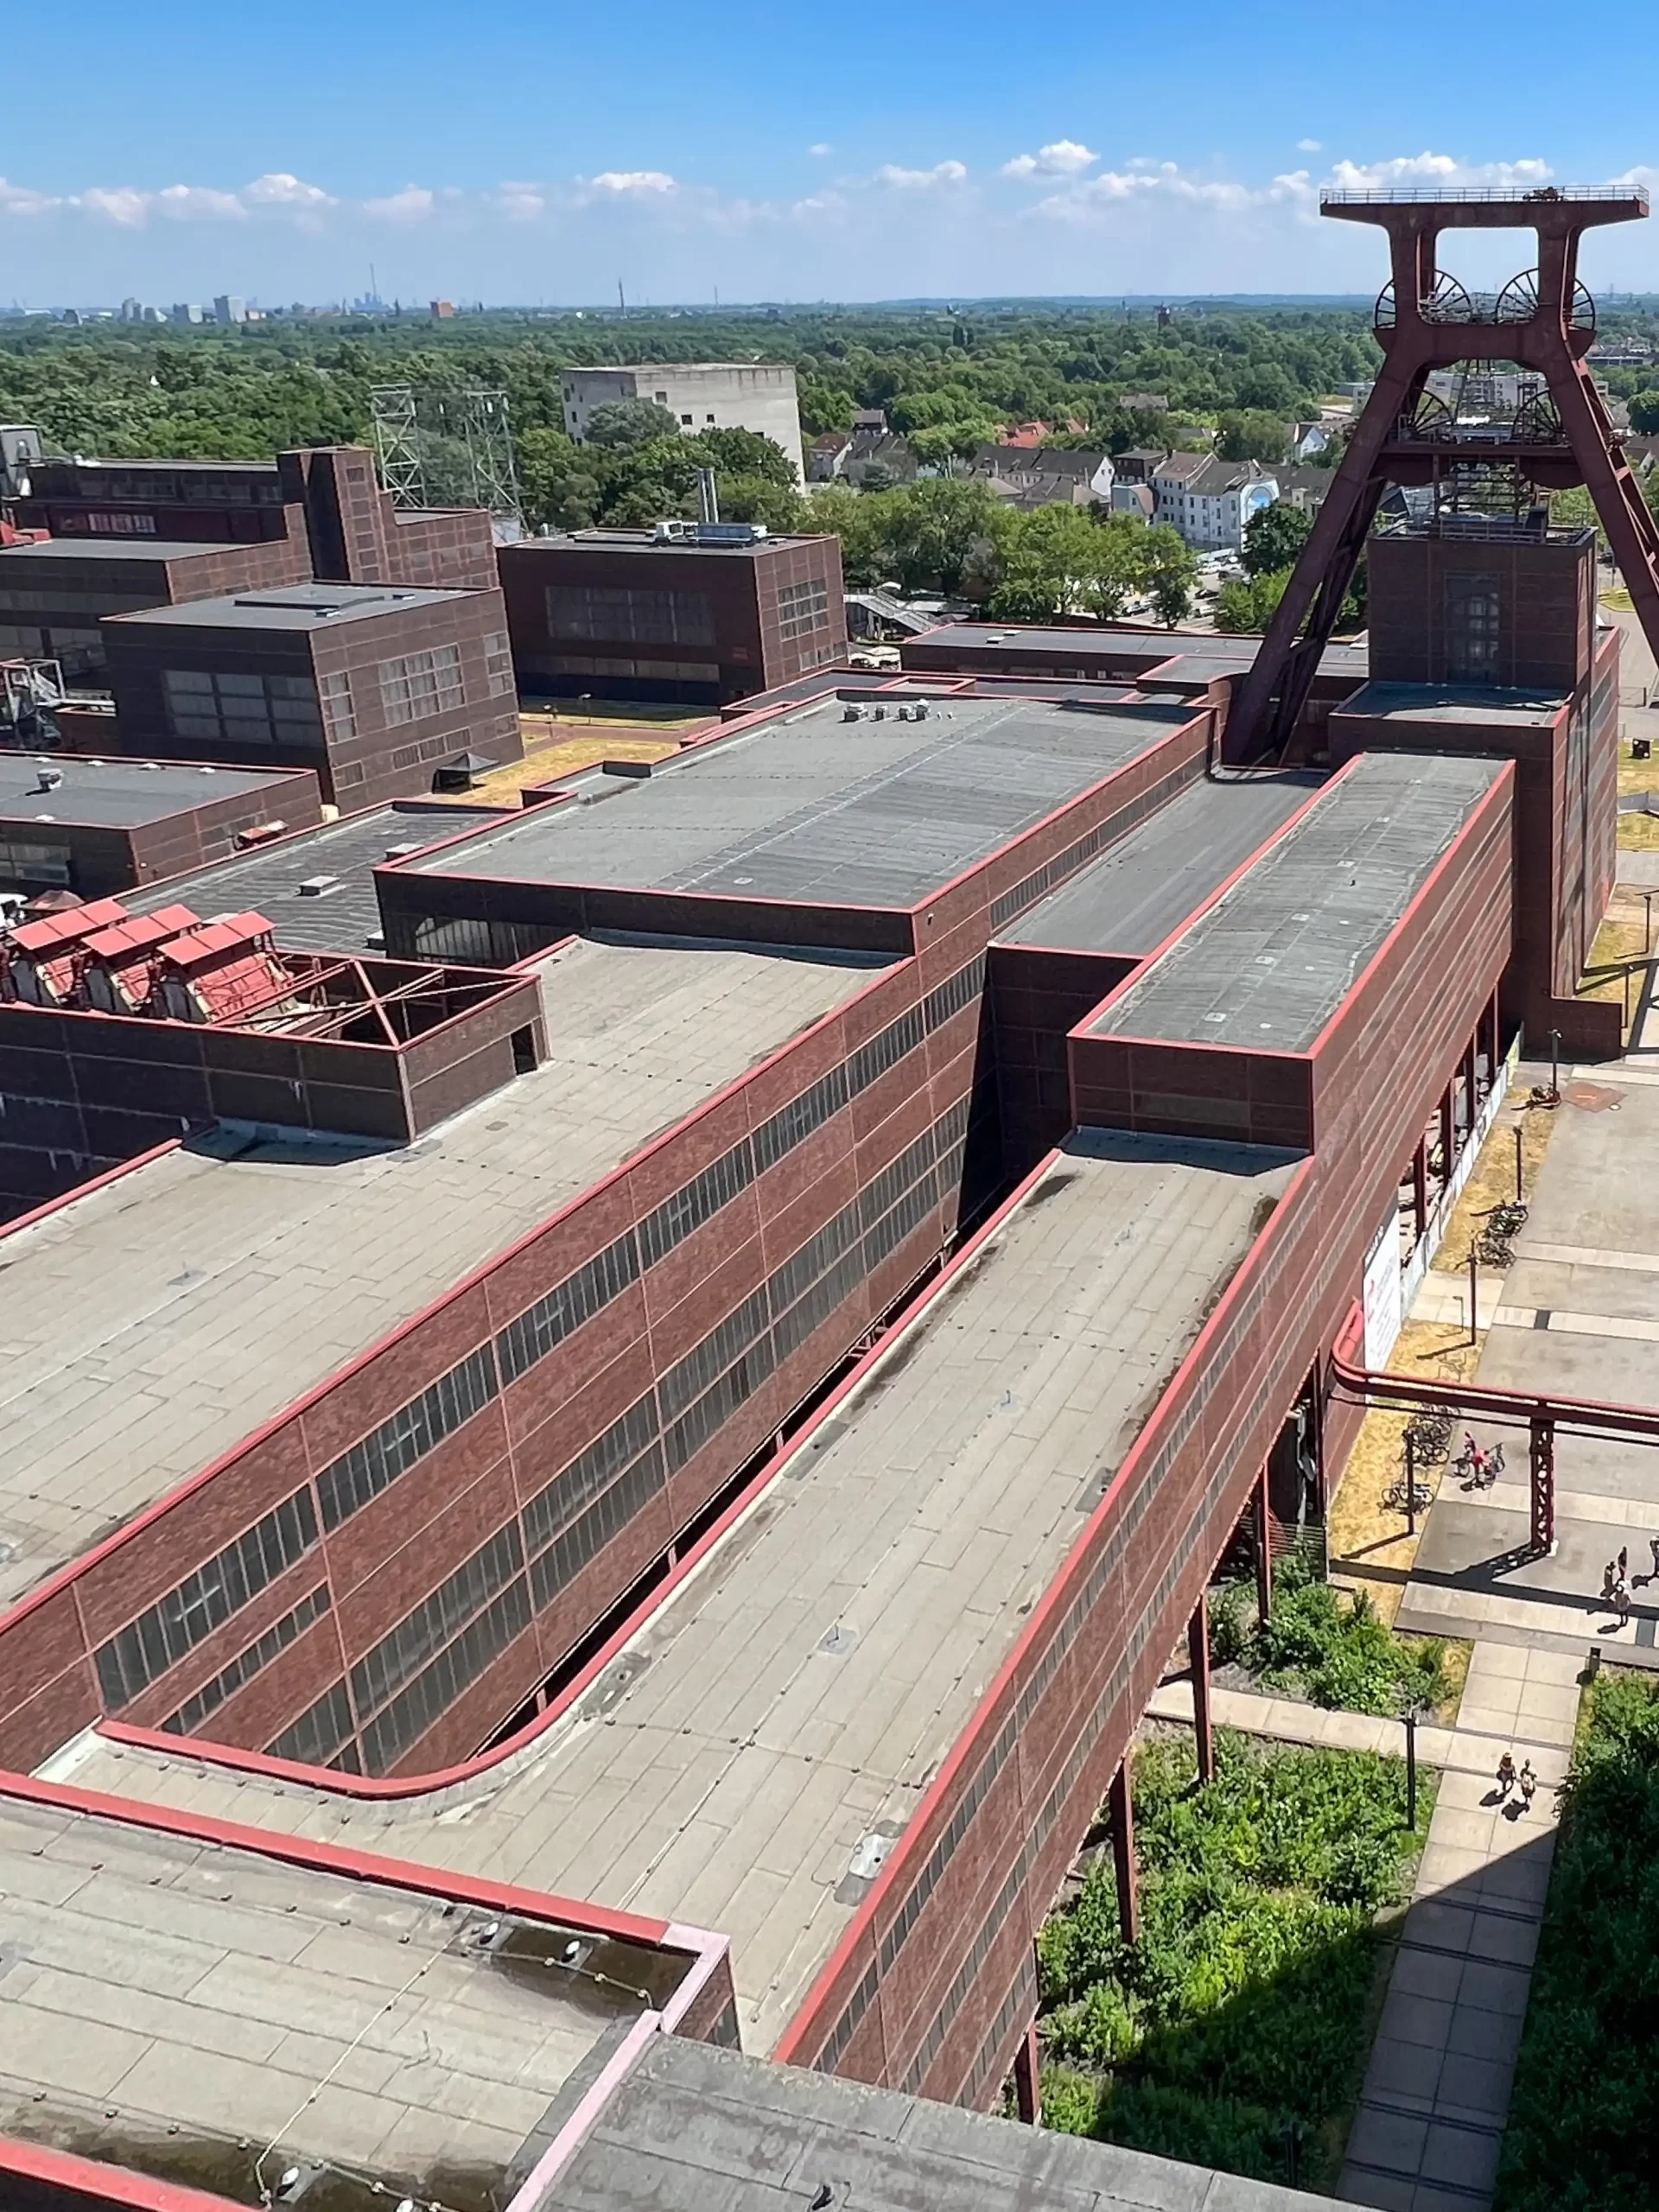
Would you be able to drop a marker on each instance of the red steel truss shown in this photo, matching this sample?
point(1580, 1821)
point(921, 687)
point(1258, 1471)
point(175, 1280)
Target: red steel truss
point(1544, 321)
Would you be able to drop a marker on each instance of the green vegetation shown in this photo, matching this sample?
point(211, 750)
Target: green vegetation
point(1583, 2117)
point(1245, 2007)
point(1327, 1644)
point(1246, 603)
point(1273, 536)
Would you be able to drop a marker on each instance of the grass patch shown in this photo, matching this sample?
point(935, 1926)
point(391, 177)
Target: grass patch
point(1491, 1180)
point(1583, 2117)
point(1327, 1645)
point(1616, 967)
point(1265, 1898)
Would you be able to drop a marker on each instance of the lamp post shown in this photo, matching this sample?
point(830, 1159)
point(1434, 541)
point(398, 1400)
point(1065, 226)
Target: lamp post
point(1555, 1067)
point(1411, 1768)
point(1411, 1482)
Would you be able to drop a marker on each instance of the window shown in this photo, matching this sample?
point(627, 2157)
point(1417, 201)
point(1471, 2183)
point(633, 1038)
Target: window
point(318, 1733)
point(1471, 629)
point(803, 609)
point(454, 1669)
point(23, 861)
point(498, 665)
point(338, 715)
point(416, 685)
point(381, 1672)
point(106, 524)
point(348, 1485)
point(246, 1664)
point(686, 421)
point(260, 711)
point(595, 614)
point(161, 1637)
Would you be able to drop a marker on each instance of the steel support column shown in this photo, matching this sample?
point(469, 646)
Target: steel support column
point(1448, 1135)
point(1122, 1809)
point(1263, 1550)
point(1420, 1188)
point(1197, 1658)
point(1027, 2080)
point(1542, 1459)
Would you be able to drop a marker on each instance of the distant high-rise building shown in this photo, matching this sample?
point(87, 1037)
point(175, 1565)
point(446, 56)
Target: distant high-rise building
point(153, 314)
point(132, 311)
point(443, 310)
point(228, 308)
point(187, 311)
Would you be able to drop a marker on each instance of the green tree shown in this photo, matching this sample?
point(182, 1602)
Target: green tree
point(743, 453)
point(1249, 434)
point(762, 498)
point(1050, 565)
point(622, 424)
point(1273, 536)
point(940, 534)
point(1245, 604)
point(1171, 570)
point(1644, 413)
point(855, 519)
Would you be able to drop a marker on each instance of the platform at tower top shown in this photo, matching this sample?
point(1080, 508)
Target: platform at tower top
point(1489, 207)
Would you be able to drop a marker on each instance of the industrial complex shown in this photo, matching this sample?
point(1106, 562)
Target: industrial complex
point(617, 1403)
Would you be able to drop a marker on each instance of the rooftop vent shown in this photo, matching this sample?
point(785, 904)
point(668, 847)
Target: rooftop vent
point(318, 887)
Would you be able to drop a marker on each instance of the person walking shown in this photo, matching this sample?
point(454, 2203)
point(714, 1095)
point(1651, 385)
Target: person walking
point(1623, 1563)
point(1528, 1783)
point(1621, 1601)
point(1506, 1774)
point(1609, 1576)
point(1653, 1546)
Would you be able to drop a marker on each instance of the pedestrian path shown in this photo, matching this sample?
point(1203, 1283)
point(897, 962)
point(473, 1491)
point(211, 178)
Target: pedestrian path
point(1430, 2123)
point(1431, 2116)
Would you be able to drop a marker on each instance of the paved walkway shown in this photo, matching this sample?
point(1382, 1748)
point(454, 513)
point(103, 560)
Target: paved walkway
point(1431, 2116)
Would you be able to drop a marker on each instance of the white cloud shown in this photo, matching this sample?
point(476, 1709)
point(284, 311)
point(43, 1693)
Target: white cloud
point(20, 200)
point(631, 181)
point(1445, 169)
point(278, 189)
point(1308, 146)
point(412, 205)
point(1065, 157)
point(821, 150)
point(521, 203)
point(902, 180)
point(124, 205)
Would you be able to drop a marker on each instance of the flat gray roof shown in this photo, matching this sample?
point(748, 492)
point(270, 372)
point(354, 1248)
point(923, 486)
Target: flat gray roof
point(1158, 644)
point(175, 2007)
point(1140, 888)
point(153, 1324)
point(1270, 963)
point(1456, 704)
point(268, 879)
point(788, 1703)
point(118, 550)
point(293, 606)
point(814, 809)
point(116, 794)
point(693, 2128)
point(600, 540)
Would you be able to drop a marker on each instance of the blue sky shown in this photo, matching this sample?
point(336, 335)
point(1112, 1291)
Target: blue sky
point(516, 151)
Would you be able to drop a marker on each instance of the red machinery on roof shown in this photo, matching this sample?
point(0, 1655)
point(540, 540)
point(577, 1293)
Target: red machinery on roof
point(40, 962)
point(221, 971)
point(117, 964)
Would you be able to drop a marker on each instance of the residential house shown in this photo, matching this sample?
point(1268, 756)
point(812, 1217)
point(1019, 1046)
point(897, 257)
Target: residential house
point(1303, 488)
point(1209, 501)
point(1138, 464)
point(1306, 439)
point(1146, 403)
point(826, 457)
point(883, 452)
point(1134, 499)
point(1049, 476)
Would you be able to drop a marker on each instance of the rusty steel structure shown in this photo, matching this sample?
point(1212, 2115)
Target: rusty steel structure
point(1558, 436)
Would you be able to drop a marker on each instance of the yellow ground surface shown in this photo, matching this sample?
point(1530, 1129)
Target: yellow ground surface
point(1493, 1183)
point(1369, 1547)
point(1638, 833)
point(558, 744)
point(1617, 966)
point(1618, 598)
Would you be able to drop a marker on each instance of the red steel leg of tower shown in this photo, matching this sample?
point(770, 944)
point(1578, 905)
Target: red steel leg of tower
point(1624, 514)
point(1198, 1653)
point(1028, 2092)
point(1123, 1817)
point(1543, 1458)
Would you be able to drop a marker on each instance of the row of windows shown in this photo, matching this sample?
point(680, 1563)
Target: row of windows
point(571, 1489)
point(247, 1663)
point(415, 686)
point(207, 708)
point(577, 1299)
point(593, 1499)
point(319, 1734)
point(363, 1472)
point(803, 609)
point(454, 1670)
point(629, 616)
point(381, 1672)
point(158, 1639)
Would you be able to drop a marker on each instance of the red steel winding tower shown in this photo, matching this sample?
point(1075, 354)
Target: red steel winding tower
point(1545, 321)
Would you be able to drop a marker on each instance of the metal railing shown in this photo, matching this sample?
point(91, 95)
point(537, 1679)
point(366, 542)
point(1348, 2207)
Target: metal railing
point(1543, 195)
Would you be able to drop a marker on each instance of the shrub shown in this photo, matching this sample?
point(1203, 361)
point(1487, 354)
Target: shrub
point(1242, 2005)
point(1582, 2131)
point(1330, 1645)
